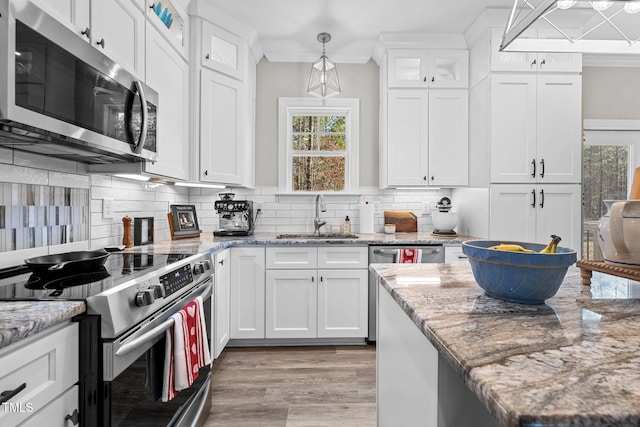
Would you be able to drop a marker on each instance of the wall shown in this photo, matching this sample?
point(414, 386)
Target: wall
point(611, 93)
point(287, 79)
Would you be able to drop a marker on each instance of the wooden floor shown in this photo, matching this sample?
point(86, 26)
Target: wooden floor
point(294, 386)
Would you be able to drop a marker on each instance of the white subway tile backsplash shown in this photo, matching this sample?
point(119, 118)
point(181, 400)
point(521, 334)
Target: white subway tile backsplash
point(47, 163)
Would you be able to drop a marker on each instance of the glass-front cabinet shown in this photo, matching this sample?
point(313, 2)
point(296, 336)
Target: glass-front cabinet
point(171, 19)
point(432, 68)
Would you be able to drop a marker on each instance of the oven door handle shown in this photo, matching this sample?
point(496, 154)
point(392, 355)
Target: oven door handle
point(161, 328)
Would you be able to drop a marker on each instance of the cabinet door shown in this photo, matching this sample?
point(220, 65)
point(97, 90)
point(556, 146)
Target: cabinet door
point(221, 301)
point(223, 51)
point(448, 137)
point(512, 212)
point(74, 14)
point(291, 304)
point(559, 212)
point(513, 128)
point(407, 68)
point(220, 128)
point(117, 28)
point(454, 254)
point(247, 293)
point(343, 303)
point(168, 74)
point(448, 68)
point(407, 137)
point(559, 128)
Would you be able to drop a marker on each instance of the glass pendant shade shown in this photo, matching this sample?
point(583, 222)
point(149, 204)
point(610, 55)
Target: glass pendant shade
point(323, 81)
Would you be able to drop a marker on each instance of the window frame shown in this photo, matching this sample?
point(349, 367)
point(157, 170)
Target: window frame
point(288, 107)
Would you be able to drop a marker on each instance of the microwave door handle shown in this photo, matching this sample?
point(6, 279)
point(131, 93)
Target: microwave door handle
point(144, 115)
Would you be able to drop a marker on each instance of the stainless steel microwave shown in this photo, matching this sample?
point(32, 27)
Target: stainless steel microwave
point(61, 97)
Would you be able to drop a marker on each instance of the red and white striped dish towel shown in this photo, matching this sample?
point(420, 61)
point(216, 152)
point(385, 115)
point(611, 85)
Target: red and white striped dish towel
point(186, 350)
point(409, 256)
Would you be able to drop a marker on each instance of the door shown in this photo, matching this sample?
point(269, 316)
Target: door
point(560, 212)
point(291, 304)
point(407, 68)
point(247, 293)
point(407, 137)
point(164, 65)
point(342, 303)
point(513, 128)
point(559, 130)
point(117, 29)
point(448, 137)
point(513, 212)
point(221, 303)
point(220, 128)
point(448, 68)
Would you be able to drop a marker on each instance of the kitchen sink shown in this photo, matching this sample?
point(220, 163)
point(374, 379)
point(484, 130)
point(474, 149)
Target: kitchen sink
point(316, 236)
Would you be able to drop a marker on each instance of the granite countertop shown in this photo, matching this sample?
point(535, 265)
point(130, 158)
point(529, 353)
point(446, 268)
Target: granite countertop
point(207, 242)
point(570, 362)
point(20, 319)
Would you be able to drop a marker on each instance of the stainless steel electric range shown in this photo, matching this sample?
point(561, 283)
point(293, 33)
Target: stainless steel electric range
point(129, 304)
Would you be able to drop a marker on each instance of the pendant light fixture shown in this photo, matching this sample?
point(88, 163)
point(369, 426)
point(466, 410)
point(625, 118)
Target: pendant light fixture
point(323, 81)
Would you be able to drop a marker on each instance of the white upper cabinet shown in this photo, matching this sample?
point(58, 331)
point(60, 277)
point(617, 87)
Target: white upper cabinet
point(427, 137)
point(421, 68)
point(172, 22)
point(532, 61)
point(535, 128)
point(223, 51)
point(168, 74)
point(117, 29)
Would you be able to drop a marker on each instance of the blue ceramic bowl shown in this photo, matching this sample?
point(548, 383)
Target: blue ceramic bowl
point(526, 278)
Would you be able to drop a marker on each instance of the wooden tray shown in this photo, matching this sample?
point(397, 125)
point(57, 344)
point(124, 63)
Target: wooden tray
point(405, 221)
point(588, 267)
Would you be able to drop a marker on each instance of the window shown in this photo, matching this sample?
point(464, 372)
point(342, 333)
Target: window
point(318, 145)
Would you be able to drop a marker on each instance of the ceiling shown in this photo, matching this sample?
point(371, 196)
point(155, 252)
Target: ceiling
point(287, 29)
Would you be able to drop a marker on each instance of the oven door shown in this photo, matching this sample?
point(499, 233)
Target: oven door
point(127, 396)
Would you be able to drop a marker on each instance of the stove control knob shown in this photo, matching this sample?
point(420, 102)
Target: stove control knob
point(198, 268)
point(207, 265)
point(158, 291)
point(145, 297)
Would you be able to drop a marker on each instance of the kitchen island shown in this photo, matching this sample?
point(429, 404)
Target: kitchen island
point(451, 356)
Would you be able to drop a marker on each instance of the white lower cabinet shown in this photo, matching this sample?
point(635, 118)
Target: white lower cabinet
point(303, 301)
point(221, 301)
point(43, 371)
point(247, 293)
point(454, 254)
point(531, 213)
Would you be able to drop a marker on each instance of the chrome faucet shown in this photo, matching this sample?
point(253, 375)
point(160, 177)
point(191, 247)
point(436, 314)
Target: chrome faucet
point(320, 207)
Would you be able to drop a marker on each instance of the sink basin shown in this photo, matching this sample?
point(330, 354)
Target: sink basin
point(316, 236)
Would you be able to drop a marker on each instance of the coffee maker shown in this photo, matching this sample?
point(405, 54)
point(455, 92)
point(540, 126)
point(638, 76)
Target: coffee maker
point(235, 216)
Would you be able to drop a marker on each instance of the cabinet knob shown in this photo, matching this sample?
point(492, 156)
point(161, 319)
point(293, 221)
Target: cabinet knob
point(74, 417)
point(313, 279)
point(432, 177)
point(206, 172)
point(221, 262)
point(153, 6)
point(433, 79)
point(101, 43)
point(424, 178)
point(543, 62)
point(534, 62)
point(207, 56)
point(425, 79)
point(86, 32)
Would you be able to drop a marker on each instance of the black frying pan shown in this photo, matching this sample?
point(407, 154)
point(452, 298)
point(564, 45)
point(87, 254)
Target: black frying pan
point(76, 261)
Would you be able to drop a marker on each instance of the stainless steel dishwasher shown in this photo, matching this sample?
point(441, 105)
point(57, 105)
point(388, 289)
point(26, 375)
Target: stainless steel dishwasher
point(389, 254)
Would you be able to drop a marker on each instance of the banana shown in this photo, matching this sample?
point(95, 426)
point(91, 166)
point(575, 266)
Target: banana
point(552, 247)
point(510, 248)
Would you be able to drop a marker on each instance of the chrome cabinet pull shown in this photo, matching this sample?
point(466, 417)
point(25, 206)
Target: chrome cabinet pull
point(6, 395)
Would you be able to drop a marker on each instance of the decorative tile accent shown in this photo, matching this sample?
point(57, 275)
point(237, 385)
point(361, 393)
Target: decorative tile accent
point(34, 215)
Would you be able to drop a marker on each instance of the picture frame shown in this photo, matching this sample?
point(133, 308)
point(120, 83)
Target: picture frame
point(142, 231)
point(184, 221)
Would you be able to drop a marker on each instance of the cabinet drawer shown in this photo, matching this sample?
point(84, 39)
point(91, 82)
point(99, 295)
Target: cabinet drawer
point(54, 414)
point(343, 257)
point(454, 254)
point(299, 257)
point(47, 365)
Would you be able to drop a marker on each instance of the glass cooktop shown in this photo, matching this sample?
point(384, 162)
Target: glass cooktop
point(78, 285)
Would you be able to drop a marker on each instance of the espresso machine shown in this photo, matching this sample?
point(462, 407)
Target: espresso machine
point(235, 216)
